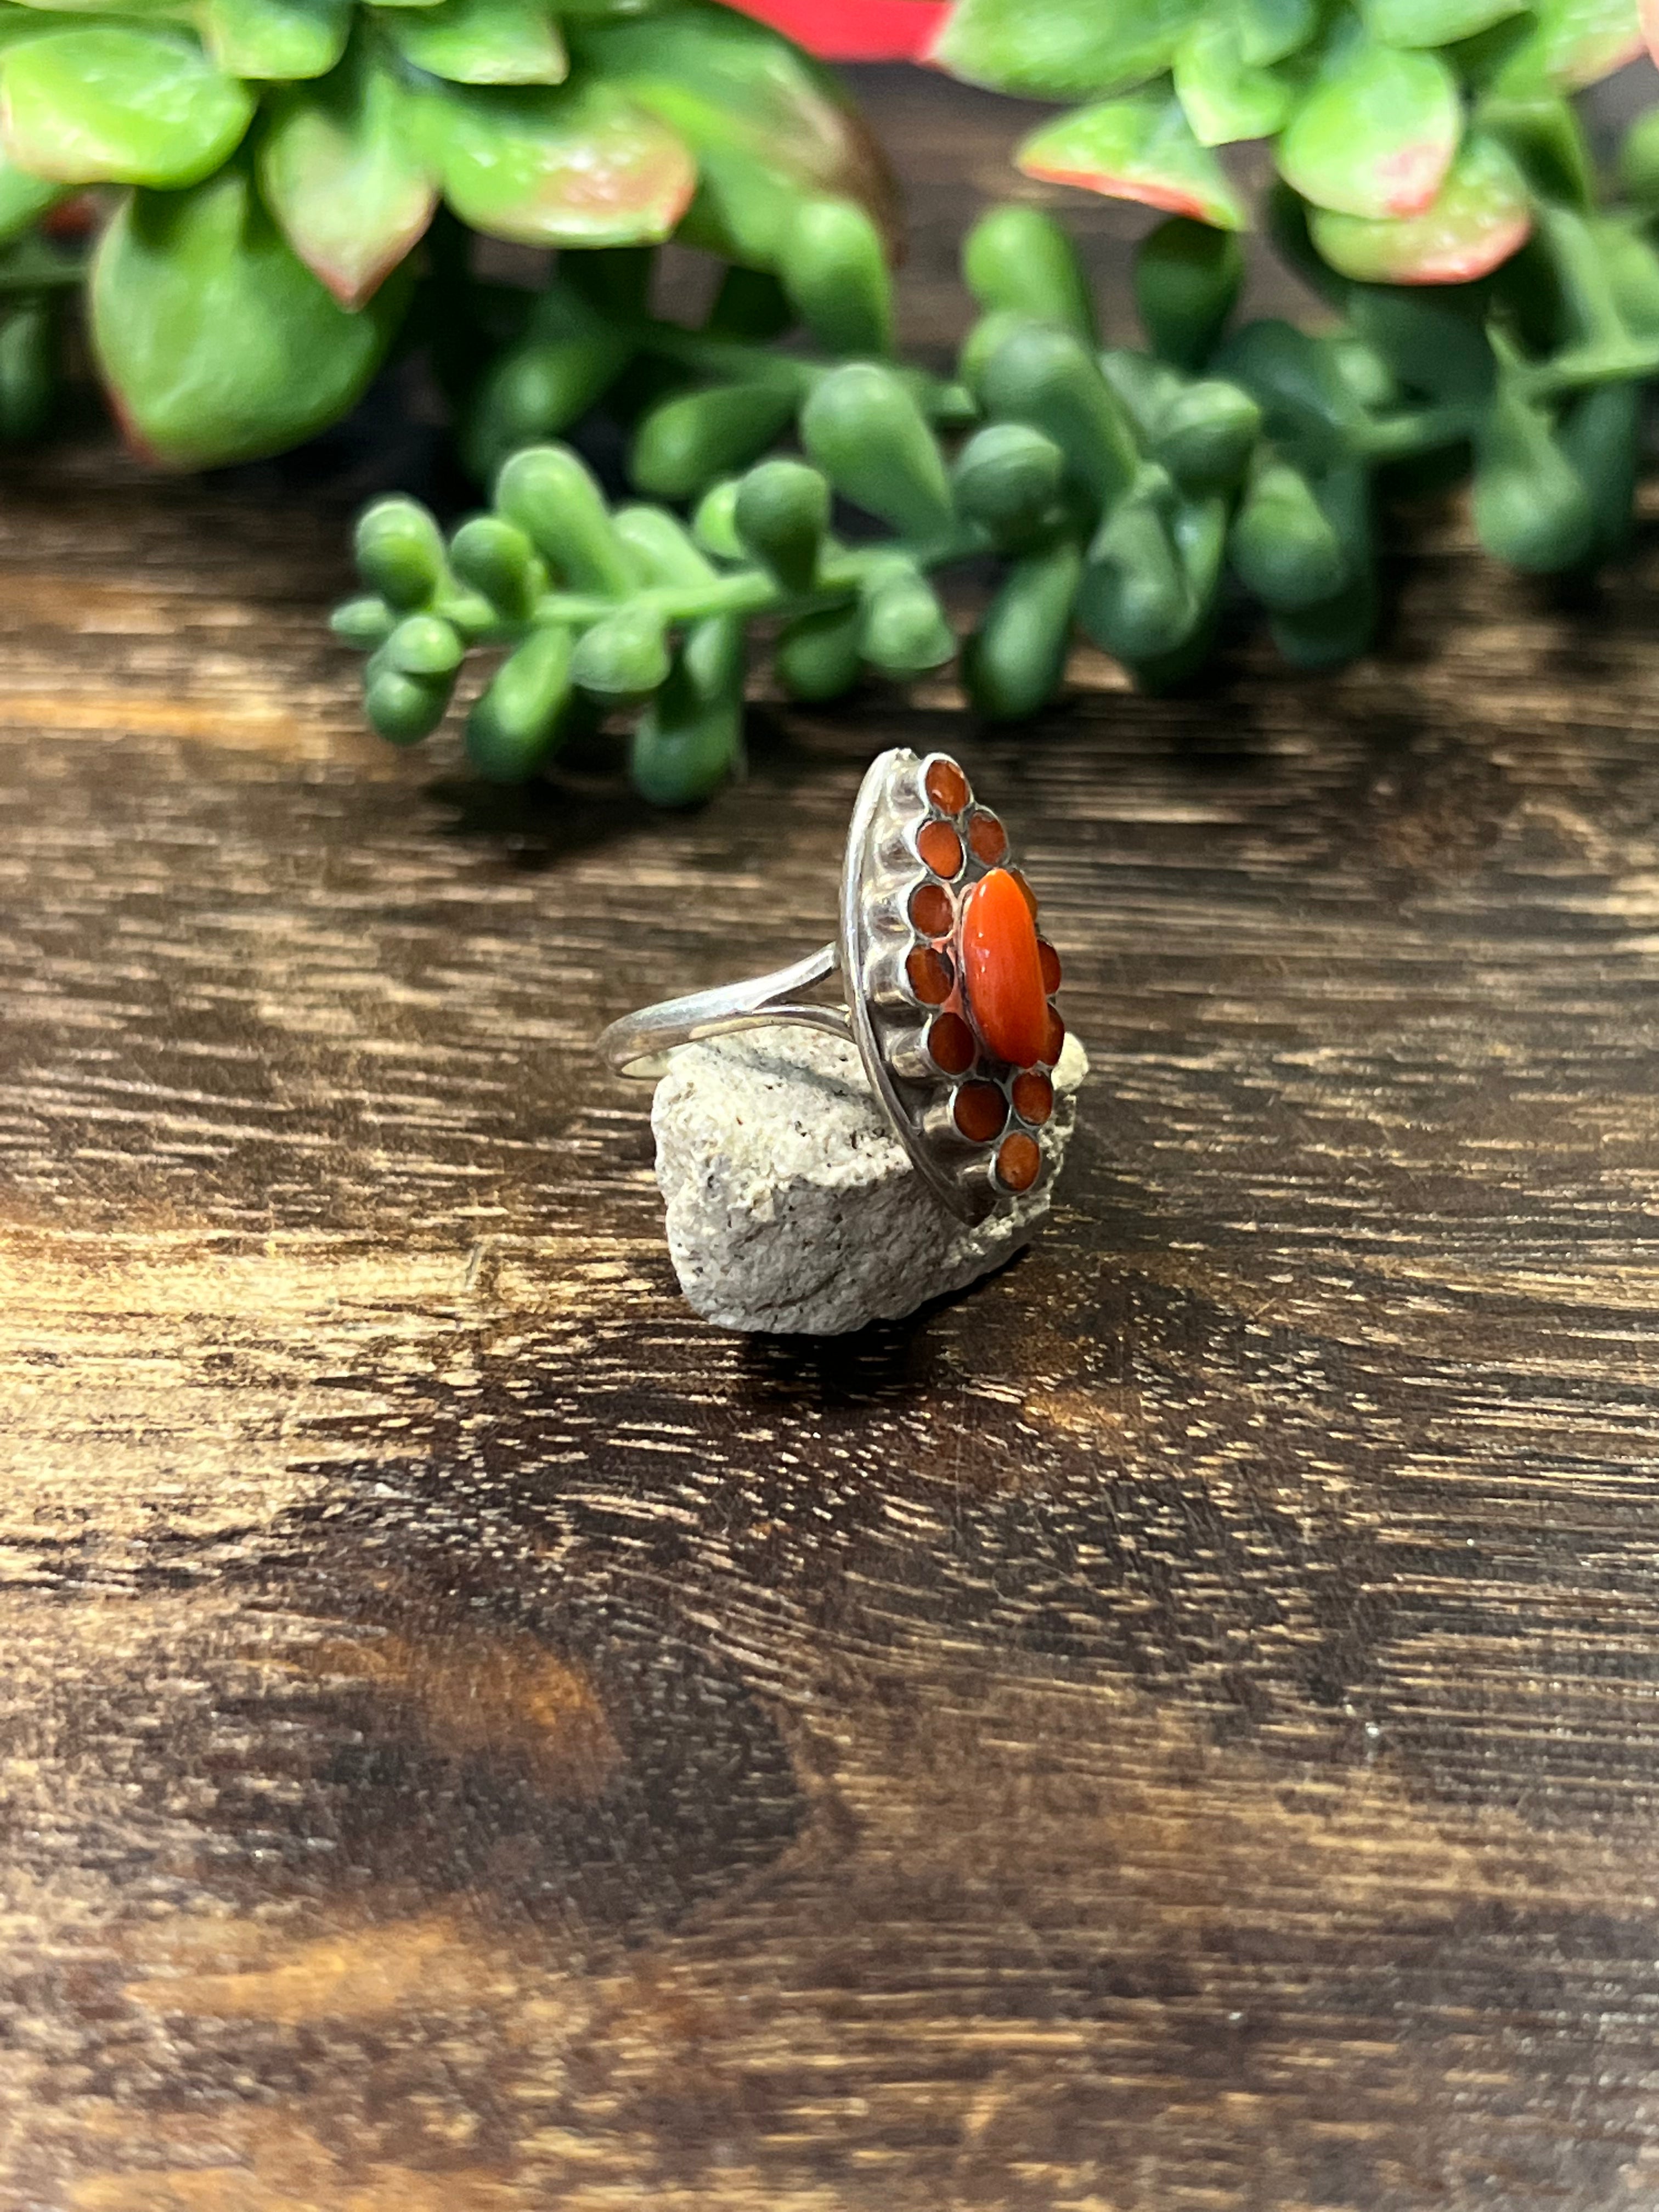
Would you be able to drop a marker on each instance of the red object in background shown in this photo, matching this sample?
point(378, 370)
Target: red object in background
point(73, 218)
point(854, 30)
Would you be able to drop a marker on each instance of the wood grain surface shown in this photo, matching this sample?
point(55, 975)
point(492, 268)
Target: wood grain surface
point(1175, 1730)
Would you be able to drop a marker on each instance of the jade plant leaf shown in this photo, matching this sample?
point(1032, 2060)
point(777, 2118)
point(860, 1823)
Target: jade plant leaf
point(23, 199)
point(1140, 149)
point(1579, 42)
point(279, 39)
point(105, 105)
point(768, 127)
point(1479, 216)
point(161, 10)
point(1057, 50)
point(1433, 22)
point(17, 24)
point(1541, 133)
point(216, 342)
point(342, 171)
point(1269, 30)
point(482, 41)
point(549, 167)
point(1225, 97)
point(1376, 134)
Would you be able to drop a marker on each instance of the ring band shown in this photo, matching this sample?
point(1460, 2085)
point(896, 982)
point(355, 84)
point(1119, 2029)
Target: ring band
point(638, 1044)
point(948, 988)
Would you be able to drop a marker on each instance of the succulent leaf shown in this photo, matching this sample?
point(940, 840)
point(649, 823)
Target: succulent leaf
point(1140, 148)
point(549, 166)
point(1044, 377)
point(1306, 402)
point(1433, 22)
point(1579, 42)
point(23, 199)
point(1480, 215)
point(28, 379)
point(902, 630)
point(281, 40)
point(1056, 50)
point(688, 442)
point(767, 126)
point(217, 342)
point(1282, 545)
point(1435, 342)
point(835, 275)
point(496, 560)
point(341, 171)
point(1269, 30)
point(1531, 507)
point(1019, 259)
point(1014, 661)
point(513, 726)
point(660, 548)
point(782, 515)
point(1135, 599)
point(1541, 130)
point(864, 430)
point(816, 655)
point(405, 708)
point(1600, 435)
point(482, 41)
point(1007, 480)
point(690, 739)
point(552, 497)
point(1225, 97)
point(1187, 280)
point(399, 552)
point(623, 658)
point(1376, 135)
point(109, 104)
point(535, 390)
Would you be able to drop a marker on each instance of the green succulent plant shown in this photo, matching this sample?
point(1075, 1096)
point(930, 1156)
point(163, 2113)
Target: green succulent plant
point(1414, 131)
point(1124, 493)
point(277, 162)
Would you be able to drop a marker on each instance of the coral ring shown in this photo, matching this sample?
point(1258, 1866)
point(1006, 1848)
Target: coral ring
point(948, 987)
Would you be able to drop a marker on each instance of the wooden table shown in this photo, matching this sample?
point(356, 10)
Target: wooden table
point(1176, 1730)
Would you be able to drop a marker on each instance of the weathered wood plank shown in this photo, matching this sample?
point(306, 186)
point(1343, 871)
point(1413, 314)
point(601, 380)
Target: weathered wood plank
point(1175, 1729)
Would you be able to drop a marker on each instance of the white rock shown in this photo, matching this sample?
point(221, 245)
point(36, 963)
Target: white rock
point(793, 1209)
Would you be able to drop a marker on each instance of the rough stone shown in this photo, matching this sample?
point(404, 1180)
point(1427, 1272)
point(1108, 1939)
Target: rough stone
point(792, 1208)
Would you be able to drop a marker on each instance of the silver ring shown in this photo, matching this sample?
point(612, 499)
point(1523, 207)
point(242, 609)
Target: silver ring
point(949, 989)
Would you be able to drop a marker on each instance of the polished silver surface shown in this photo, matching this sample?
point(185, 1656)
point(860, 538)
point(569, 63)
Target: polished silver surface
point(896, 1030)
point(638, 1044)
point(880, 871)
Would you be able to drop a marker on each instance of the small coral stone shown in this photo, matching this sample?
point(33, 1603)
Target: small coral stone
point(1034, 1098)
point(931, 975)
point(941, 848)
point(1026, 892)
point(1019, 1161)
point(1055, 1043)
point(950, 1045)
point(1003, 970)
point(931, 910)
point(1050, 959)
point(988, 837)
point(979, 1111)
point(947, 786)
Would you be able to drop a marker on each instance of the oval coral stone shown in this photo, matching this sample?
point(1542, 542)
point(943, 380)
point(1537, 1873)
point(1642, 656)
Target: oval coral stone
point(1002, 970)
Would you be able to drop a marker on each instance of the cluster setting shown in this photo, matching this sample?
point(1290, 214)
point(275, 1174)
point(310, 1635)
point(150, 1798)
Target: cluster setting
point(953, 998)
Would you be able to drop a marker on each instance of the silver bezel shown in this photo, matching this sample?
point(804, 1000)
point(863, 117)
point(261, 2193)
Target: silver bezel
point(881, 872)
